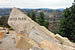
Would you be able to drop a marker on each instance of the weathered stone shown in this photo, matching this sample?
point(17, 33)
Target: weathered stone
point(25, 36)
point(45, 48)
point(68, 42)
point(35, 48)
point(8, 43)
point(21, 22)
point(33, 33)
point(49, 45)
point(68, 47)
point(2, 35)
point(63, 40)
point(23, 44)
point(36, 37)
point(32, 42)
point(48, 32)
point(20, 35)
point(38, 33)
point(58, 37)
point(27, 40)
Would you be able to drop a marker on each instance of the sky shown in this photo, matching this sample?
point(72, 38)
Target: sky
point(53, 4)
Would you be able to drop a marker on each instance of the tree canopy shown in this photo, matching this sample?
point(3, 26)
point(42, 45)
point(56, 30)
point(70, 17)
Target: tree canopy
point(67, 24)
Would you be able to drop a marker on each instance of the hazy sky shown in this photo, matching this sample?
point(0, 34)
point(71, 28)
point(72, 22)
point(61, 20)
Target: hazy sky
point(36, 3)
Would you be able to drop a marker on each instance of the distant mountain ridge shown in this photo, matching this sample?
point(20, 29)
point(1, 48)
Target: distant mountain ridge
point(60, 9)
point(6, 11)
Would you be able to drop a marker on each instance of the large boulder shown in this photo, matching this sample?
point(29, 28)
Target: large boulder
point(21, 22)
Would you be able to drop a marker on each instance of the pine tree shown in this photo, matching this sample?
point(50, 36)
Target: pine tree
point(67, 24)
point(42, 21)
point(29, 14)
point(33, 16)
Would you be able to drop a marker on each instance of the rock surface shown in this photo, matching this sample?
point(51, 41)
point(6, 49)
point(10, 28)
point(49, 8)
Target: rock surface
point(21, 22)
point(63, 40)
point(31, 36)
point(8, 42)
point(49, 45)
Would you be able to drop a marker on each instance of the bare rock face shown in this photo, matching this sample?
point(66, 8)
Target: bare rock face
point(35, 48)
point(26, 43)
point(32, 36)
point(19, 36)
point(49, 45)
point(68, 47)
point(23, 44)
point(21, 22)
point(63, 40)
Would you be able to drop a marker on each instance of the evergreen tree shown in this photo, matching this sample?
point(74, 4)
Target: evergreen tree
point(1, 23)
point(67, 24)
point(29, 14)
point(42, 21)
point(4, 20)
point(33, 16)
